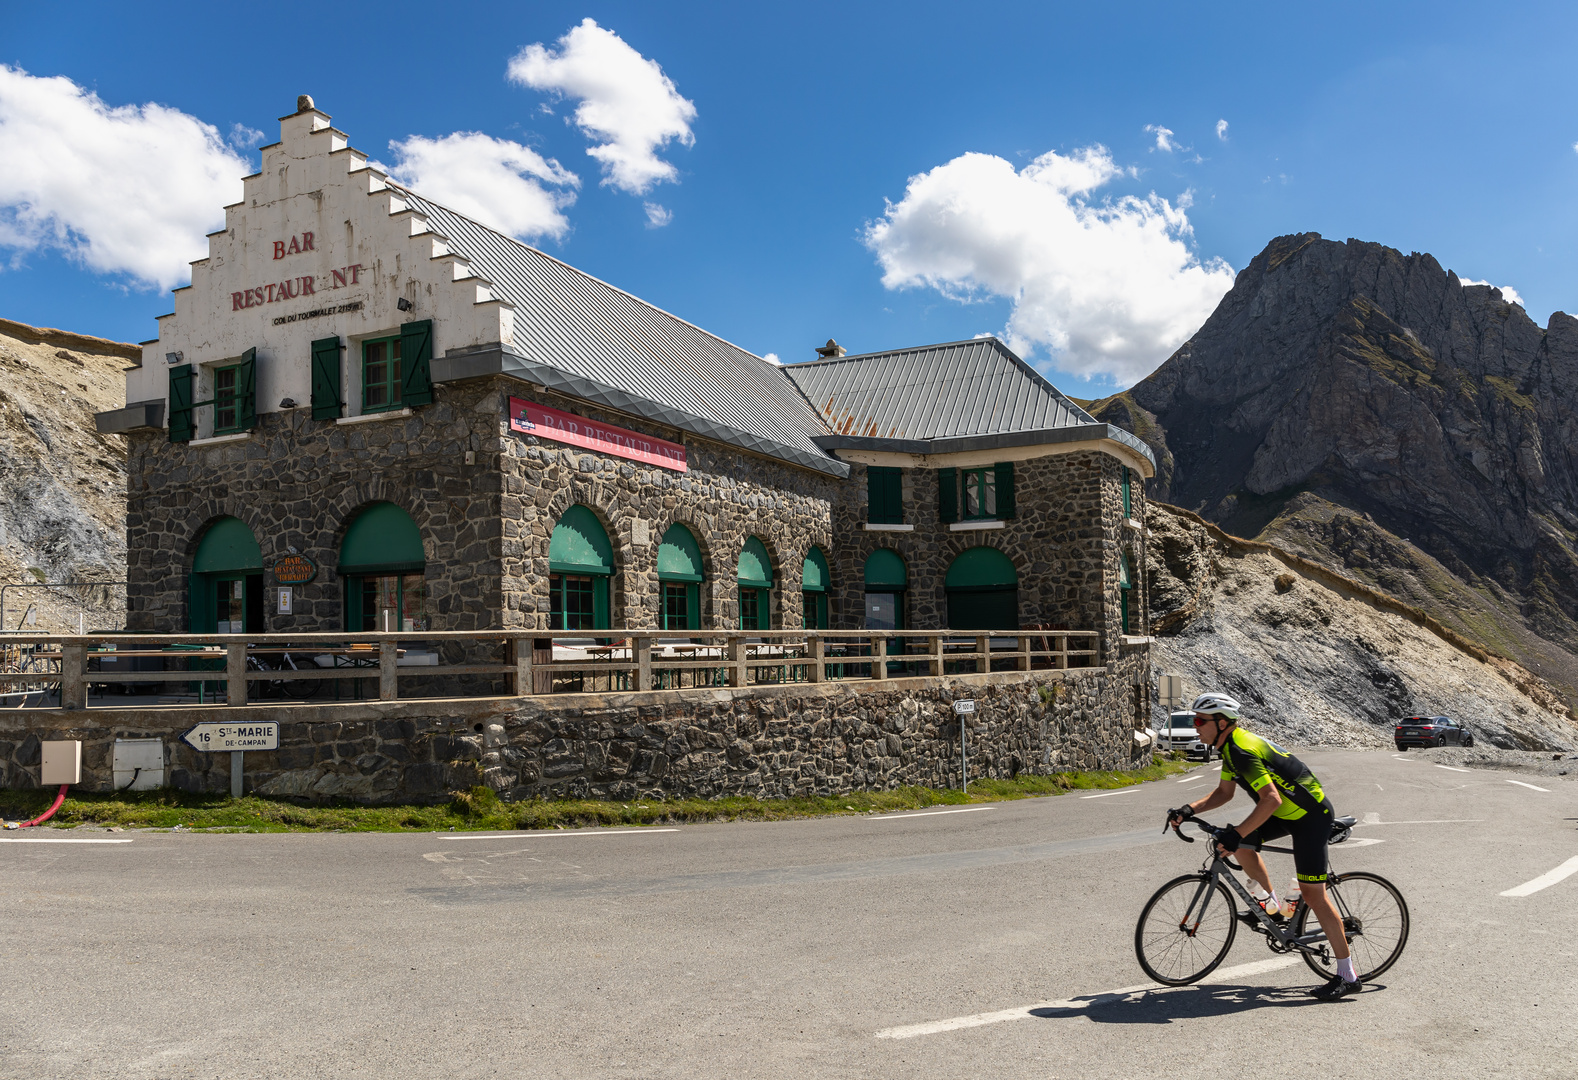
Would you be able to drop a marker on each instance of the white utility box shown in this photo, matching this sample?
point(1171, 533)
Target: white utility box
point(61, 763)
point(138, 764)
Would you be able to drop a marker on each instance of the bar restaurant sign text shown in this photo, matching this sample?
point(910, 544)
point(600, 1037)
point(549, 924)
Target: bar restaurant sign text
point(529, 418)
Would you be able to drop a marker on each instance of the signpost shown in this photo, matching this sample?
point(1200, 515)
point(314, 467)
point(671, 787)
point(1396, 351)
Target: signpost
point(211, 738)
point(1170, 691)
point(962, 709)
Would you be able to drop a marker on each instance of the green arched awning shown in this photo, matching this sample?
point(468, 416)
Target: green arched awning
point(679, 556)
point(982, 568)
point(382, 540)
point(885, 572)
point(579, 544)
point(814, 578)
point(227, 545)
point(756, 569)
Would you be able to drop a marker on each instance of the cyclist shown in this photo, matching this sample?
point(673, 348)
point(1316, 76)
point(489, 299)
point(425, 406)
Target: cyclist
point(1289, 802)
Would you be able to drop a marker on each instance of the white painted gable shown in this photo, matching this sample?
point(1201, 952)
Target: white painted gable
point(320, 246)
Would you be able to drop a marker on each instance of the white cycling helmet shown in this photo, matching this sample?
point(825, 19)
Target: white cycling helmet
point(1214, 704)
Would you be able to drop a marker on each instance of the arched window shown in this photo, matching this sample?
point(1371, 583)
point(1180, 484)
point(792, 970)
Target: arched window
point(983, 591)
point(580, 561)
point(679, 577)
point(755, 579)
point(382, 563)
point(1125, 584)
point(226, 587)
point(886, 580)
point(813, 590)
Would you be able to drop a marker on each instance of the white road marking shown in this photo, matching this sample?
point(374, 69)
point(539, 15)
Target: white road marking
point(1438, 821)
point(1192, 779)
point(1363, 841)
point(1404, 757)
point(61, 840)
point(1104, 794)
point(929, 813)
point(1450, 768)
point(1025, 1012)
point(1531, 787)
point(1545, 881)
point(556, 832)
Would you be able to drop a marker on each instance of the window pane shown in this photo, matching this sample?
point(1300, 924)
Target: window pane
point(972, 494)
point(676, 615)
point(882, 611)
point(413, 602)
point(750, 609)
point(989, 485)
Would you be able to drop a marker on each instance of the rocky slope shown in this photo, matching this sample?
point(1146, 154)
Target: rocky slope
point(1321, 659)
point(63, 507)
point(1365, 408)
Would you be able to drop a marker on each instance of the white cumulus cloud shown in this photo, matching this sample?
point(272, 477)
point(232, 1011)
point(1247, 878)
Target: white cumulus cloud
point(1221, 130)
point(499, 183)
point(1164, 137)
point(657, 215)
point(128, 189)
point(1508, 293)
point(627, 105)
point(1111, 287)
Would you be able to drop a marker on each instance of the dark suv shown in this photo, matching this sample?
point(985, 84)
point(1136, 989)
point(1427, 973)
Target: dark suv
point(1431, 731)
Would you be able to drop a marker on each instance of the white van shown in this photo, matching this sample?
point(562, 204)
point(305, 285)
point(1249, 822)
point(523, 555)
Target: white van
point(1180, 735)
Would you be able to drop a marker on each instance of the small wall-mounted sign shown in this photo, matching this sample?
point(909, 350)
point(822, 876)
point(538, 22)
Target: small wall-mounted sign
point(964, 708)
point(294, 570)
point(286, 600)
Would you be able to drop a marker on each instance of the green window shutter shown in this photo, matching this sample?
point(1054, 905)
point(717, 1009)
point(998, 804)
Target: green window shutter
point(600, 603)
point(326, 403)
point(1005, 489)
point(416, 357)
point(693, 607)
point(884, 495)
point(947, 495)
point(181, 403)
point(247, 391)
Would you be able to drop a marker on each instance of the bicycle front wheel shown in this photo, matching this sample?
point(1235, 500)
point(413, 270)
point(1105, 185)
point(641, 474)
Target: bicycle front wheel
point(299, 689)
point(1375, 918)
point(1185, 930)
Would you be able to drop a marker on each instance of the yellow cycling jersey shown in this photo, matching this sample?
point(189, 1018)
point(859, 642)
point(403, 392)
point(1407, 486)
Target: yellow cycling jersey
point(1253, 762)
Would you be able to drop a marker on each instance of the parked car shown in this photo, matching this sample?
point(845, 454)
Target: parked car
point(1180, 735)
point(1431, 731)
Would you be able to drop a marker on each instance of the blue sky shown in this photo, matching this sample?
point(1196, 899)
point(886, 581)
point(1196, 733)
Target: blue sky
point(1447, 128)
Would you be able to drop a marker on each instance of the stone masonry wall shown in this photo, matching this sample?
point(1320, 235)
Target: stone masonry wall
point(802, 739)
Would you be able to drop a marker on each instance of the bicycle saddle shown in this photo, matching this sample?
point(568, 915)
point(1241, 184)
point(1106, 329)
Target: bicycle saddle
point(1347, 821)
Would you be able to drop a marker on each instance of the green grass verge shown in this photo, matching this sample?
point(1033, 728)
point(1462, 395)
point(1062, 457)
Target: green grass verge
point(481, 809)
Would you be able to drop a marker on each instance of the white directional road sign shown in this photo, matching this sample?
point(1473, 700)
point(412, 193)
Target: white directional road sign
point(257, 736)
point(964, 708)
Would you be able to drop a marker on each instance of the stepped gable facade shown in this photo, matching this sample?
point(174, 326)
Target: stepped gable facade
point(370, 412)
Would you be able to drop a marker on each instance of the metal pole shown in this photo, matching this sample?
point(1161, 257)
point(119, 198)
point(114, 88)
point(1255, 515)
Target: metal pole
point(235, 773)
point(964, 755)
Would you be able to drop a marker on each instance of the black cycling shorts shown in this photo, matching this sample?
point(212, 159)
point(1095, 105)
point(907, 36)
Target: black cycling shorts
point(1311, 833)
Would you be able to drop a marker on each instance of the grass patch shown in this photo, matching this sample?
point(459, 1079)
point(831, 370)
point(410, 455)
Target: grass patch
point(481, 809)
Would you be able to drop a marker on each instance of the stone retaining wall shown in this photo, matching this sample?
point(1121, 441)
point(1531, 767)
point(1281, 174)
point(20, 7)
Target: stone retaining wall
point(792, 740)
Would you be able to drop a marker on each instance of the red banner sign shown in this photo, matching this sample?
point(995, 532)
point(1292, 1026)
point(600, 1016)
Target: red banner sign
point(529, 418)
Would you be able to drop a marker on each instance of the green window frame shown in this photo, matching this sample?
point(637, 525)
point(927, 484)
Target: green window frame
point(884, 495)
point(381, 359)
point(580, 564)
point(1125, 585)
point(577, 602)
point(977, 494)
point(227, 399)
point(1128, 496)
point(813, 590)
point(681, 605)
point(680, 573)
point(983, 493)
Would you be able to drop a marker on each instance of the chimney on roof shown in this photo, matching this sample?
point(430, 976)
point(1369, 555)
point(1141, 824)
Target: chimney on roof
point(831, 351)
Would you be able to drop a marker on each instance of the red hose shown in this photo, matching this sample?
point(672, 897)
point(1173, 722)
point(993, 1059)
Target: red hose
point(47, 814)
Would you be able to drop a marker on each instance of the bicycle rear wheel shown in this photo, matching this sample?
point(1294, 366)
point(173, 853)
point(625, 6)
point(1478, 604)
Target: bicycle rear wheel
point(1375, 918)
point(1185, 930)
point(298, 689)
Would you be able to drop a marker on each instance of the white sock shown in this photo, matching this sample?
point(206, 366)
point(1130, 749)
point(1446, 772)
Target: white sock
point(1345, 969)
point(1274, 904)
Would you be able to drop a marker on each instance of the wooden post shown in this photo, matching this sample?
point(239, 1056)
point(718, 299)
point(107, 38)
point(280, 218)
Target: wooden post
point(816, 669)
point(1024, 654)
point(521, 646)
point(737, 651)
point(934, 650)
point(73, 689)
point(235, 674)
point(643, 651)
point(879, 658)
point(388, 670)
point(983, 646)
point(1060, 645)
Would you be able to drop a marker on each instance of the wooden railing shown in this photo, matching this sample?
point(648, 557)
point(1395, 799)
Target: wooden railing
point(241, 668)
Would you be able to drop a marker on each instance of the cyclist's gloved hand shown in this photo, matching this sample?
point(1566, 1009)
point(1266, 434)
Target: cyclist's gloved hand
point(1183, 813)
point(1228, 839)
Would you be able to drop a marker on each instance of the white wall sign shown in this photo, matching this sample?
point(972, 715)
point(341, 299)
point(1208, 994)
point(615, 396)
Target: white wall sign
point(285, 600)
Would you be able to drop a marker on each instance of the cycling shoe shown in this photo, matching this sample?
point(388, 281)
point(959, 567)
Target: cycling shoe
point(1336, 989)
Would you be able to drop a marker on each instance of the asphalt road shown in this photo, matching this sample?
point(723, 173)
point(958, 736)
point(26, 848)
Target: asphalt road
point(834, 947)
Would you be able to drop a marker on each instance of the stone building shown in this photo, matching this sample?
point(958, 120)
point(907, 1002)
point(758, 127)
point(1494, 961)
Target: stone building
point(370, 412)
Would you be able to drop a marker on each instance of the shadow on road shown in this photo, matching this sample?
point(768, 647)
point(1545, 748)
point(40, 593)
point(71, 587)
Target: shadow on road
point(1183, 1003)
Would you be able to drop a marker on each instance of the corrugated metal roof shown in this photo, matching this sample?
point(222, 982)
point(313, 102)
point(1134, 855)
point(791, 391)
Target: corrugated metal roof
point(570, 321)
point(961, 388)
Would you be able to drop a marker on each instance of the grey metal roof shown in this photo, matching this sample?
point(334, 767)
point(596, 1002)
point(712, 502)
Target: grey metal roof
point(942, 398)
point(602, 338)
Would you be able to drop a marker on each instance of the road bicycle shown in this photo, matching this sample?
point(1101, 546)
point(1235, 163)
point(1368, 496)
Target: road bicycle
point(1188, 926)
point(285, 687)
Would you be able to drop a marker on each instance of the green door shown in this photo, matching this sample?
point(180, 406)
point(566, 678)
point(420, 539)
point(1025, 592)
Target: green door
point(226, 586)
point(983, 591)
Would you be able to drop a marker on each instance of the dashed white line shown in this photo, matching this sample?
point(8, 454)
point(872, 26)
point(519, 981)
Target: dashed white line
point(1025, 1012)
point(928, 813)
point(556, 832)
point(1531, 787)
point(1104, 794)
point(62, 840)
point(1192, 779)
point(1450, 768)
point(1545, 881)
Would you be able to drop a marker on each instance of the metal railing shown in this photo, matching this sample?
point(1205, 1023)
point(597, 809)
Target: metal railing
point(289, 666)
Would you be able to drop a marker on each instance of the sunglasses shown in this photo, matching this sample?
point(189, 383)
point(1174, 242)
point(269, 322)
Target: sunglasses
point(1206, 720)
